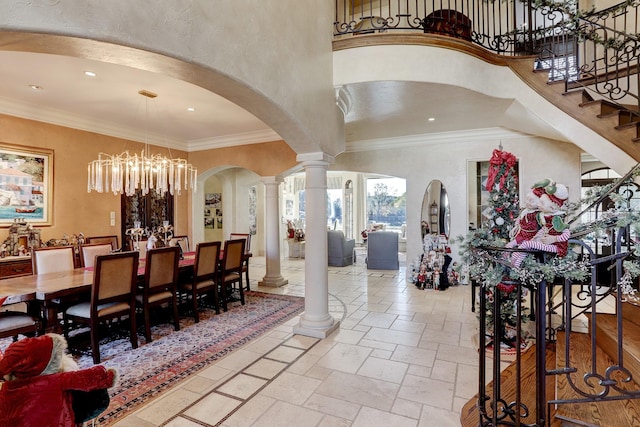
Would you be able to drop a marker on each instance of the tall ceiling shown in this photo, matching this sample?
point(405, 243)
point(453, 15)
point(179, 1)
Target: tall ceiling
point(109, 103)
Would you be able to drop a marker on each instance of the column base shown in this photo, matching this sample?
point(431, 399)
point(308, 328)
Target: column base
point(273, 282)
point(308, 329)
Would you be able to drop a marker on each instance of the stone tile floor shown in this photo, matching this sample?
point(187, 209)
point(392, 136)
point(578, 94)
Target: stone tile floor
point(401, 357)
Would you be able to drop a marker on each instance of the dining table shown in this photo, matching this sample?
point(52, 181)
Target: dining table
point(43, 292)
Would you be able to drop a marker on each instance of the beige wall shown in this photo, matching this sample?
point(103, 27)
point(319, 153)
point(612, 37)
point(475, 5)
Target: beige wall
point(75, 210)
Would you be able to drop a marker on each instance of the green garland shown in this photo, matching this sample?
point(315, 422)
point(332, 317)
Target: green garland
point(483, 250)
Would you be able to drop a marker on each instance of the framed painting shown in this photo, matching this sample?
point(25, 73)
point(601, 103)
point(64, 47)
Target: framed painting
point(213, 200)
point(26, 185)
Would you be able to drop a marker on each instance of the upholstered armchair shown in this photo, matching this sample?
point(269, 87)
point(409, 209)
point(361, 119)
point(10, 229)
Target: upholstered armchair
point(340, 249)
point(382, 250)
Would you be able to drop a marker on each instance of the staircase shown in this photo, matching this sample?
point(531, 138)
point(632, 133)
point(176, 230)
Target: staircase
point(619, 124)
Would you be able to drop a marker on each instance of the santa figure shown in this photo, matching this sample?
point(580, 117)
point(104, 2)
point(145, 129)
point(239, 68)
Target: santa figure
point(43, 386)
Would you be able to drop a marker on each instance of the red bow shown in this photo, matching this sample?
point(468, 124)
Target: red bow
point(499, 158)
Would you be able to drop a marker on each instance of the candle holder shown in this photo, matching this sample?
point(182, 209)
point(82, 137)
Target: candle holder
point(135, 234)
point(165, 232)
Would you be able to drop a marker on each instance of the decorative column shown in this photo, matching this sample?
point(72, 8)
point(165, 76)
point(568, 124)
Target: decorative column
point(272, 276)
point(316, 320)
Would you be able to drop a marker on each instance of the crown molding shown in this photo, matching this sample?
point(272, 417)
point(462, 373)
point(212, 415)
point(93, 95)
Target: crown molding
point(245, 138)
point(432, 139)
point(60, 118)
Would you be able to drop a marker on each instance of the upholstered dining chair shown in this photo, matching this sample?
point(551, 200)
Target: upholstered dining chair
point(14, 323)
point(160, 285)
point(141, 248)
point(247, 254)
point(182, 241)
point(231, 270)
point(53, 259)
point(205, 276)
point(89, 251)
point(112, 240)
point(112, 296)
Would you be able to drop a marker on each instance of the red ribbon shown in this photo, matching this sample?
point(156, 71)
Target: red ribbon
point(507, 289)
point(498, 158)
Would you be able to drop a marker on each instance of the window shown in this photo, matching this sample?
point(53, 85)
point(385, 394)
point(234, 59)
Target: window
point(386, 202)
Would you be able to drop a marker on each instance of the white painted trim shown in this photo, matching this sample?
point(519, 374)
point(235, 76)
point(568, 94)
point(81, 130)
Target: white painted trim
point(60, 118)
point(433, 138)
point(245, 138)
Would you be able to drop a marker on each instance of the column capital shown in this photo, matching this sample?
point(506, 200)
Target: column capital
point(317, 157)
point(271, 179)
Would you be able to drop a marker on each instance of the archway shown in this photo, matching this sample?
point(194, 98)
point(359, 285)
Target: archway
point(230, 200)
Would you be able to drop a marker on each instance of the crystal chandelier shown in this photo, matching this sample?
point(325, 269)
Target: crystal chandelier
point(125, 173)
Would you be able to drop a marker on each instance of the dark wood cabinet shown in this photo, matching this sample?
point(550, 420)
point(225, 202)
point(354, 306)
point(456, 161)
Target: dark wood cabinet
point(15, 266)
point(150, 209)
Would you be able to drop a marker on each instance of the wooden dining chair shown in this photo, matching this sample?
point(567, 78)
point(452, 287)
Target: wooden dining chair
point(113, 295)
point(141, 247)
point(14, 322)
point(247, 254)
point(182, 241)
point(88, 252)
point(112, 240)
point(231, 269)
point(53, 259)
point(205, 276)
point(160, 285)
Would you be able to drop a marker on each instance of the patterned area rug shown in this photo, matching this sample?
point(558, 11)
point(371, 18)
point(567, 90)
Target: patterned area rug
point(174, 355)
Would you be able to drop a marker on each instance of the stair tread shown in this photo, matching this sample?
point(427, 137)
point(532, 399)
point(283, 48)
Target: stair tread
point(631, 312)
point(631, 331)
point(627, 125)
point(604, 413)
point(606, 331)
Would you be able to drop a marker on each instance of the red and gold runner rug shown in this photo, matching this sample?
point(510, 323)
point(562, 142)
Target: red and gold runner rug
point(172, 356)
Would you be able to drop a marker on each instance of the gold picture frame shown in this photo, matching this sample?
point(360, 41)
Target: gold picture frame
point(26, 185)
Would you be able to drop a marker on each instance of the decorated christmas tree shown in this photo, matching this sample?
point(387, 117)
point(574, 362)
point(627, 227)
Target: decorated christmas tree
point(502, 184)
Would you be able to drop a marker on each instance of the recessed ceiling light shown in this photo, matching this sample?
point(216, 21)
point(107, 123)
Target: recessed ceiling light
point(90, 73)
point(35, 87)
point(191, 109)
point(431, 119)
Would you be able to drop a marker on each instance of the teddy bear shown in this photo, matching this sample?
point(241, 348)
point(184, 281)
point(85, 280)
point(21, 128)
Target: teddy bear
point(43, 385)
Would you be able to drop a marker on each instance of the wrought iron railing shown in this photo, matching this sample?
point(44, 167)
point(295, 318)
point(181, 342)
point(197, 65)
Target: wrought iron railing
point(558, 308)
point(495, 25)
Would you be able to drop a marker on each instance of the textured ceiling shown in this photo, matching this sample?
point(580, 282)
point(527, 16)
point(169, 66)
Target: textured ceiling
point(109, 103)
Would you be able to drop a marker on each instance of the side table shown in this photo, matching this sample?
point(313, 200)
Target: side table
point(296, 248)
